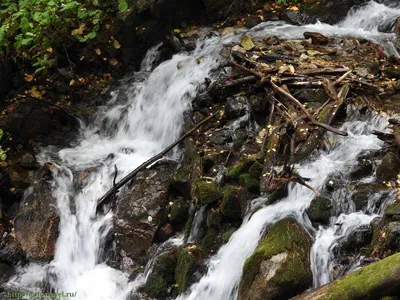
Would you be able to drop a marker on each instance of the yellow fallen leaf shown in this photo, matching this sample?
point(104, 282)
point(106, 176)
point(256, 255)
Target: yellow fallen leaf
point(98, 51)
point(117, 45)
point(247, 43)
point(295, 8)
point(177, 30)
point(50, 50)
point(78, 31)
point(72, 82)
point(34, 92)
point(108, 26)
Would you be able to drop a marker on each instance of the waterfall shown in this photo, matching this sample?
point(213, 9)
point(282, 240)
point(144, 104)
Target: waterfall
point(146, 114)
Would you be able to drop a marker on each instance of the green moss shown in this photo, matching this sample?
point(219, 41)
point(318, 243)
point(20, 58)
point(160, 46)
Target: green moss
point(251, 184)
point(230, 206)
point(206, 192)
point(188, 225)
point(393, 211)
point(294, 274)
point(227, 235)
point(185, 268)
point(156, 286)
point(363, 282)
point(211, 241)
point(240, 168)
point(165, 266)
point(256, 169)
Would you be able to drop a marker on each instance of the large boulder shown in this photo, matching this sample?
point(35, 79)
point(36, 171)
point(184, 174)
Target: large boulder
point(320, 210)
point(280, 266)
point(389, 167)
point(36, 222)
point(140, 212)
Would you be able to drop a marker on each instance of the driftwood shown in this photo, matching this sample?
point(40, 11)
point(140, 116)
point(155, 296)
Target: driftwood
point(375, 281)
point(107, 197)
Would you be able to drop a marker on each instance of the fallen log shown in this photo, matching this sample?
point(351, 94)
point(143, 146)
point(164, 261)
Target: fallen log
point(375, 281)
point(235, 82)
point(322, 71)
point(105, 199)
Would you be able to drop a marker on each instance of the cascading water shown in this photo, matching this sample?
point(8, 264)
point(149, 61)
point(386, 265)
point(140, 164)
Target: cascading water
point(144, 116)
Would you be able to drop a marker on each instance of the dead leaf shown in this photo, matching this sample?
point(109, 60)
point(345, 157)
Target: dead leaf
point(35, 93)
point(72, 82)
point(98, 51)
point(247, 43)
point(117, 45)
point(294, 8)
point(113, 62)
point(28, 77)
point(108, 26)
point(78, 31)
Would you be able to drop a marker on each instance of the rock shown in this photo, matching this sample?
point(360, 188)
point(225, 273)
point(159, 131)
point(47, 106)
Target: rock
point(221, 137)
point(256, 169)
point(389, 167)
point(392, 212)
point(397, 31)
point(211, 241)
point(359, 238)
point(221, 9)
point(139, 213)
point(251, 184)
point(6, 83)
point(36, 222)
point(362, 170)
point(240, 168)
point(231, 204)
point(316, 38)
point(311, 95)
point(165, 266)
point(179, 212)
point(5, 272)
point(186, 268)
point(259, 104)
point(360, 198)
point(206, 192)
point(387, 240)
point(213, 219)
point(156, 286)
point(11, 253)
point(235, 107)
point(374, 281)
point(392, 72)
point(280, 266)
point(320, 210)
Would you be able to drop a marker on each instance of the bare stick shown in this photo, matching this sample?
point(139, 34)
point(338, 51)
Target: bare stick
point(306, 112)
point(114, 190)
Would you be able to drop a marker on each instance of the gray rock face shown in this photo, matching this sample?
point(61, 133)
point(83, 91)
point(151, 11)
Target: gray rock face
point(389, 167)
point(36, 222)
point(139, 213)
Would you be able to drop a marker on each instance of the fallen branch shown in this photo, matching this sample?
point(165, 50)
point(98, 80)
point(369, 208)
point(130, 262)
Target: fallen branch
point(299, 181)
point(306, 112)
point(322, 71)
point(234, 82)
point(116, 186)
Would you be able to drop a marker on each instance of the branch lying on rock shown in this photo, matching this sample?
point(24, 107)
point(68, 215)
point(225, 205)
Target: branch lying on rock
point(116, 186)
point(306, 112)
point(375, 281)
point(299, 180)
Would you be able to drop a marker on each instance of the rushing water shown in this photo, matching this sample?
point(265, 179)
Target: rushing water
point(144, 116)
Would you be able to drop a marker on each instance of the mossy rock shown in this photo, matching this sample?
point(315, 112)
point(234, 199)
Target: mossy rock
point(230, 207)
point(281, 192)
point(179, 212)
point(251, 184)
point(206, 192)
point(211, 241)
point(213, 219)
point(227, 235)
point(240, 168)
point(279, 268)
point(389, 167)
point(156, 286)
point(185, 269)
point(165, 266)
point(319, 211)
point(392, 212)
point(256, 169)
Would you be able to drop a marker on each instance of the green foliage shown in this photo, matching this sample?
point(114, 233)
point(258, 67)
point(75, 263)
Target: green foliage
point(3, 155)
point(32, 28)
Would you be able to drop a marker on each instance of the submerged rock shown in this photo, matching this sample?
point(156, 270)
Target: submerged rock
point(280, 266)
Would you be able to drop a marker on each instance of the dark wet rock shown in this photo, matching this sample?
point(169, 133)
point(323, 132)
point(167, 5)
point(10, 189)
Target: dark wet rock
point(231, 207)
point(279, 268)
point(363, 169)
point(389, 167)
point(140, 212)
point(311, 95)
point(259, 104)
point(280, 192)
point(213, 219)
point(397, 31)
point(6, 271)
point(36, 222)
point(227, 235)
point(333, 182)
point(360, 198)
point(240, 168)
point(186, 268)
point(21, 177)
point(28, 161)
point(179, 212)
point(222, 137)
point(165, 266)
point(235, 107)
point(316, 38)
point(156, 286)
point(165, 232)
point(251, 184)
point(11, 252)
point(320, 210)
point(359, 238)
point(387, 240)
point(206, 192)
point(211, 241)
point(392, 72)
point(221, 9)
